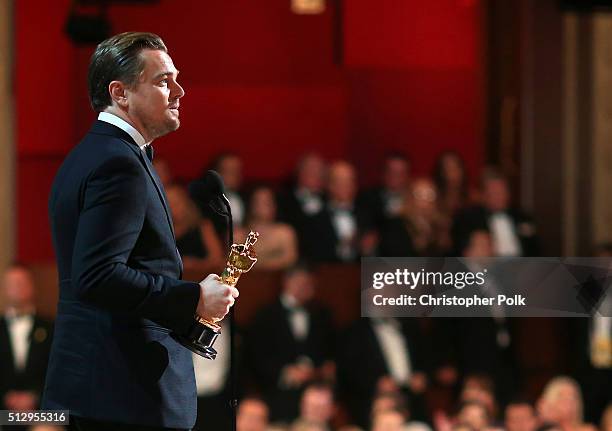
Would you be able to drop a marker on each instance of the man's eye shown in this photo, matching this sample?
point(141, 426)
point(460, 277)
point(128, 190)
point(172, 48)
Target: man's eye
point(163, 82)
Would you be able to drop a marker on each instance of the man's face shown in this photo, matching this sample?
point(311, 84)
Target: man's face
point(153, 102)
point(388, 421)
point(230, 169)
point(18, 287)
point(342, 183)
point(396, 174)
point(312, 173)
point(252, 416)
point(496, 195)
point(317, 405)
point(300, 285)
point(520, 417)
point(475, 416)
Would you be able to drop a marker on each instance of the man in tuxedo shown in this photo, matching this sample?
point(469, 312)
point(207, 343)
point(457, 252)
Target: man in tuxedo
point(114, 363)
point(382, 355)
point(290, 344)
point(513, 231)
point(25, 341)
point(387, 200)
point(305, 199)
point(333, 235)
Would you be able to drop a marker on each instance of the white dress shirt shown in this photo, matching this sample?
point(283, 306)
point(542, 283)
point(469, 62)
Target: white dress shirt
point(19, 328)
point(299, 320)
point(125, 126)
point(505, 240)
point(394, 349)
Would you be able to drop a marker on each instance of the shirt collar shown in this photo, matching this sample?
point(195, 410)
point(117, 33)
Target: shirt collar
point(113, 119)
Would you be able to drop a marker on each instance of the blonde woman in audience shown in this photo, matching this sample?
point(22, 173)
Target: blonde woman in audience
point(277, 245)
point(561, 404)
point(422, 229)
point(196, 240)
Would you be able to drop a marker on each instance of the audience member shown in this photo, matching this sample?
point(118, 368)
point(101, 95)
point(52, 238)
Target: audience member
point(25, 342)
point(512, 230)
point(316, 406)
point(520, 416)
point(229, 167)
point(252, 415)
point(452, 183)
point(484, 346)
point(305, 198)
point(386, 201)
point(381, 355)
point(196, 240)
point(473, 414)
point(561, 404)
point(480, 388)
point(421, 229)
point(333, 235)
point(290, 344)
point(388, 420)
point(277, 246)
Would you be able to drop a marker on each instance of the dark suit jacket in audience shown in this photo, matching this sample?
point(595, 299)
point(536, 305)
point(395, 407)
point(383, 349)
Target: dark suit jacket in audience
point(32, 377)
point(477, 217)
point(361, 364)
point(271, 346)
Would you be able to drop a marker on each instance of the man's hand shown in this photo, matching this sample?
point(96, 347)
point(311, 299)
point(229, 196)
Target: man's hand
point(216, 298)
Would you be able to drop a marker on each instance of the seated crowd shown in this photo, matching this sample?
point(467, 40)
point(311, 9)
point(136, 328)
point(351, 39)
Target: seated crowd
point(297, 369)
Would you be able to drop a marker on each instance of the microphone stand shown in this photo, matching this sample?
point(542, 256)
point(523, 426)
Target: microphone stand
point(233, 402)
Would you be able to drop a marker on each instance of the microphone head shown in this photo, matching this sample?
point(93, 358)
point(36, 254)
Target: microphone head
point(211, 186)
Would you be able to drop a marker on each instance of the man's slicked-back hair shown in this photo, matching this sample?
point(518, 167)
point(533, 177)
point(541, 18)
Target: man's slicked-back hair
point(118, 59)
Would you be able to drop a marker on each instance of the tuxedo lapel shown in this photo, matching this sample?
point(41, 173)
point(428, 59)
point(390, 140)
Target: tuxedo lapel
point(103, 128)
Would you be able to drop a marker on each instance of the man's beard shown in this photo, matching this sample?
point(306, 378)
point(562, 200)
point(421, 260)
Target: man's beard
point(158, 130)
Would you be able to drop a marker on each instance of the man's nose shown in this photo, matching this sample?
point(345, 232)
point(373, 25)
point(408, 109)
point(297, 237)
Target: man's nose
point(178, 91)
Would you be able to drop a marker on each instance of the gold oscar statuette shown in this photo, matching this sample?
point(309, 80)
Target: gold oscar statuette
point(203, 333)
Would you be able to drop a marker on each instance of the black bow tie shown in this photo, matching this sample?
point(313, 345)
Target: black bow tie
point(149, 151)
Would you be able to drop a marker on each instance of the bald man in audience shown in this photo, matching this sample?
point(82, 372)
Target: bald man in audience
point(25, 342)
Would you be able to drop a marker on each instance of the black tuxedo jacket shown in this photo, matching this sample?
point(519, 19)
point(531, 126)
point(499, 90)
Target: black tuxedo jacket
point(361, 363)
point(32, 377)
point(120, 293)
point(477, 217)
point(272, 345)
point(319, 240)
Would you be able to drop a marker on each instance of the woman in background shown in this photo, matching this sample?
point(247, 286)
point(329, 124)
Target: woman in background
point(422, 229)
point(277, 244)
point(451, 182)
point(196, 239)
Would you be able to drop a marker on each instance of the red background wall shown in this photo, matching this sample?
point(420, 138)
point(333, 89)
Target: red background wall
point(265, 83)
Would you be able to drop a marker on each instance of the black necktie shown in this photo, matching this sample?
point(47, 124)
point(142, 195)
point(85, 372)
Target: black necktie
point(149, 152)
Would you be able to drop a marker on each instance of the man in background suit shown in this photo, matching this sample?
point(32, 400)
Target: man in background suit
point(290, 344)
point(25, 341)
point(382, 355)
point(513, 231)
point(113, 361)
point(333, 235)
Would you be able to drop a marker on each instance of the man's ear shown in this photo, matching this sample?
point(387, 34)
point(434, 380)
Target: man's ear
point(118, 93)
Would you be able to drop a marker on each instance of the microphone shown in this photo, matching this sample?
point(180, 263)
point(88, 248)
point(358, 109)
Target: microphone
point(210, 191)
